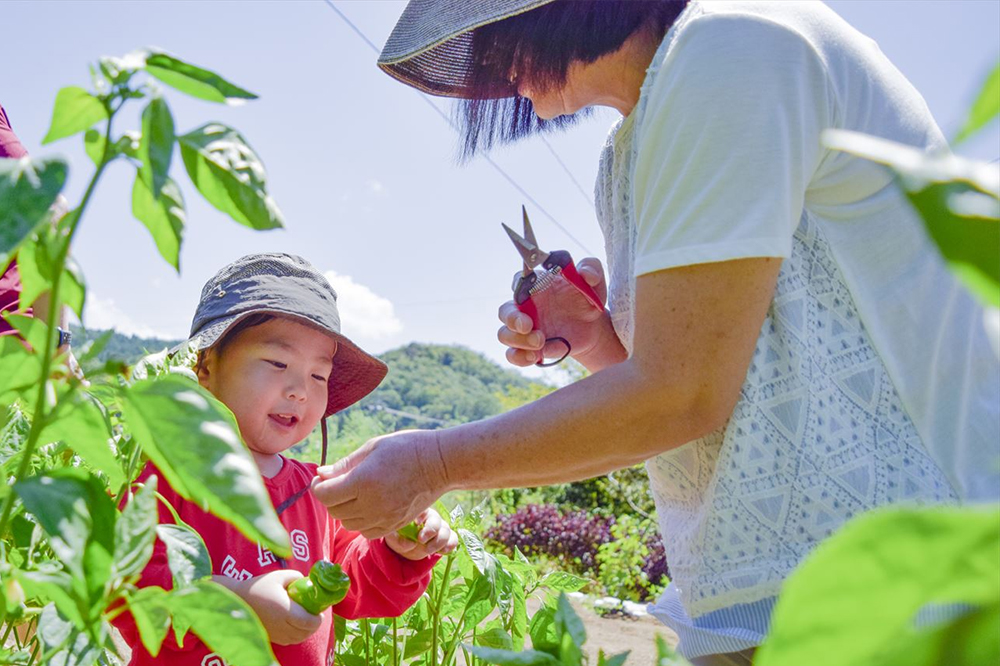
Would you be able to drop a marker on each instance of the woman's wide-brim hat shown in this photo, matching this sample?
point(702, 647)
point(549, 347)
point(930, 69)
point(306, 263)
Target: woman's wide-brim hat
point(431, 46)
point(286, 286)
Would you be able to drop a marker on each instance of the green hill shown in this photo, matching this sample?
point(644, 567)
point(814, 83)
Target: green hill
point(428, 386)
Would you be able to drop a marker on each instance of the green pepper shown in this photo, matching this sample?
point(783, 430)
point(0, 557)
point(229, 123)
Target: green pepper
point(411, 531)
point(326, 585)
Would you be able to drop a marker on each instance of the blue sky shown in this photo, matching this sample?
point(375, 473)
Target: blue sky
point(362, 168)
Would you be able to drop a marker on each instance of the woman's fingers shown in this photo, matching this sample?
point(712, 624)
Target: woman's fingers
point(522, 357)
point(592, 271)
point(534, 340)
point(514, 319)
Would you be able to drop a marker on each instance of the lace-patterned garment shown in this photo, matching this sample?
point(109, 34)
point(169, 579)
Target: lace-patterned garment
point(819, 432)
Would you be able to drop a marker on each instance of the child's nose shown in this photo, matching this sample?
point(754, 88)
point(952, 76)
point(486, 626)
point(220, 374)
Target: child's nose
point(296, 389)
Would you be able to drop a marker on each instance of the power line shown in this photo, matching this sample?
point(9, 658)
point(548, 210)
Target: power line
point(489, 160)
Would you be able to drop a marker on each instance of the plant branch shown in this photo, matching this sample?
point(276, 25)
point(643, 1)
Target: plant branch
point(40, 417)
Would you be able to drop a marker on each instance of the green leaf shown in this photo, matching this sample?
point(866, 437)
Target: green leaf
point(508, 658)
point(418, 643)
point(985, 108)
point(53, 585)
point(969, 640)
point(874, 575)
point(156, 147)
point(36, 262)
point(56, 632)
point(186, 553)
point(570, 653)
point(93, 145)
point(495, 638)
point(135, 533)
point(969, 244)
point(958, 199)
point(212, 468)
point(20, 369)
point(224, 622)
point(85, 429)
point(75, 111)
point(542, 630)
point(32, 329)
point(665, 655)
point(27, 189)
point(568, 622)
point(150, 607)
point(75, 511)
point(229, 175)
point(163, 216)
point(195, 81)
point(560, 581)
point(519, 617)
point(616, 660)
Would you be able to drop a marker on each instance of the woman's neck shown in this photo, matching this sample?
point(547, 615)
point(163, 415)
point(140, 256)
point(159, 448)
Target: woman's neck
point(617, 77)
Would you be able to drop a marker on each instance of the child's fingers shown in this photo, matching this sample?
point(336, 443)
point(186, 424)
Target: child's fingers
point(431, 526)
point(302, 620)
point(451, 545)
point(441, 542)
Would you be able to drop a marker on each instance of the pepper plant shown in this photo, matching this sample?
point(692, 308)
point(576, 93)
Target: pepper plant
point(69, 559)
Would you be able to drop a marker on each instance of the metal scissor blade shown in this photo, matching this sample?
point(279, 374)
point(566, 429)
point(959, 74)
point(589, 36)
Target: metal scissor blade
point(529, 233)
point(530, 254)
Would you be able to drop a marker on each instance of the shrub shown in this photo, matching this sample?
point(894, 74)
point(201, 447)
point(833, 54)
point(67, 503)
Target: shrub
point(539, 529)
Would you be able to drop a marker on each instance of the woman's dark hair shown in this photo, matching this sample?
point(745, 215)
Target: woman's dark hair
point(538, 46)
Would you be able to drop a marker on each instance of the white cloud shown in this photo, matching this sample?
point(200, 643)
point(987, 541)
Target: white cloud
point(363, 313)
point(102, 313)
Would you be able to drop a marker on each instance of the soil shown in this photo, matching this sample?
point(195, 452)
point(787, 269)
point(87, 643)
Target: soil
point(618, 633)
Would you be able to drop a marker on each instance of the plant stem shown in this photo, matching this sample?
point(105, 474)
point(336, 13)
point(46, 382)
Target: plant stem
point(437, 607)
point(364, 627)
point(39, 421)
point(395, 642)
point(6, 634)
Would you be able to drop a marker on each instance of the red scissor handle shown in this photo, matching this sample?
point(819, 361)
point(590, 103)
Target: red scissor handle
point(559, 261)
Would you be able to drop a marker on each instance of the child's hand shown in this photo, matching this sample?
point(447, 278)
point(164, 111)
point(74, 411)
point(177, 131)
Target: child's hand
point(286, 622)
point(435, 537)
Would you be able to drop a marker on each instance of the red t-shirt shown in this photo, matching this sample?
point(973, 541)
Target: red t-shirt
point(383, 584)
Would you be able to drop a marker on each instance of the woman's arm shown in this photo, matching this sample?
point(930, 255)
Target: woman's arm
point(695, 331)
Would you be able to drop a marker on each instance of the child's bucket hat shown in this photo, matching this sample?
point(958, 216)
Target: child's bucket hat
point(431, 46)
point(288, 286)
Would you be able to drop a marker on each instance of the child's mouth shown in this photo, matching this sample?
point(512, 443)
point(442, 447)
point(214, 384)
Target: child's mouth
point(284, 420)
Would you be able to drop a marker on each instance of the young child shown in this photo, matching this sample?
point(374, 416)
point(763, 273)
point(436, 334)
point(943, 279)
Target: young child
point(267, 332)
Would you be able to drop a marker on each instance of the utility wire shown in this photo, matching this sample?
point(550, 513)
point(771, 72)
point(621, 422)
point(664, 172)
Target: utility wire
point(517, 186)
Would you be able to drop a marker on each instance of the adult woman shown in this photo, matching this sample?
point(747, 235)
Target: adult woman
point(775, 345)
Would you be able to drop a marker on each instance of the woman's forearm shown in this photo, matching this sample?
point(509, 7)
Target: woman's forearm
point(599, 424)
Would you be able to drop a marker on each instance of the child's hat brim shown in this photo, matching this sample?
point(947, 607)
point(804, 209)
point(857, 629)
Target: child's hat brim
point(285, 286)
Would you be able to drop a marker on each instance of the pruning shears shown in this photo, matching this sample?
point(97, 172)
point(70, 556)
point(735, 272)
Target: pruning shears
point(529, 281)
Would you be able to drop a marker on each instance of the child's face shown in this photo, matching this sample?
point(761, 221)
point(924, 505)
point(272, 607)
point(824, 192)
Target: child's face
point(274, 379)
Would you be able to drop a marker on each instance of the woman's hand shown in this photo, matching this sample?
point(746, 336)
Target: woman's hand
point(435, 536)
point(385, 484)
point(286, 622)
point(563, 312)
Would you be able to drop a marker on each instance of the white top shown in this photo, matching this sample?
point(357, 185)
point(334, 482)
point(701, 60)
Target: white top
point(873, 380)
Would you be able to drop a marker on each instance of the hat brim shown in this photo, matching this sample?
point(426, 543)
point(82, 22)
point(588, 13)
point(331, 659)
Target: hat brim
point(355, 372)
point(430, 48)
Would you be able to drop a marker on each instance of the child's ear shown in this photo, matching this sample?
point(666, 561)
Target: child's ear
point(204, 367)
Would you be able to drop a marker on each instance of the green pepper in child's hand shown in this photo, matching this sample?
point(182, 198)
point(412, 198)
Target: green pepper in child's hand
point(326, 585)
point(411, 531)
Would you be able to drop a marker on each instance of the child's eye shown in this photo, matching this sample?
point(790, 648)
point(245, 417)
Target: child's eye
point(320, 378)
point(278, 364)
